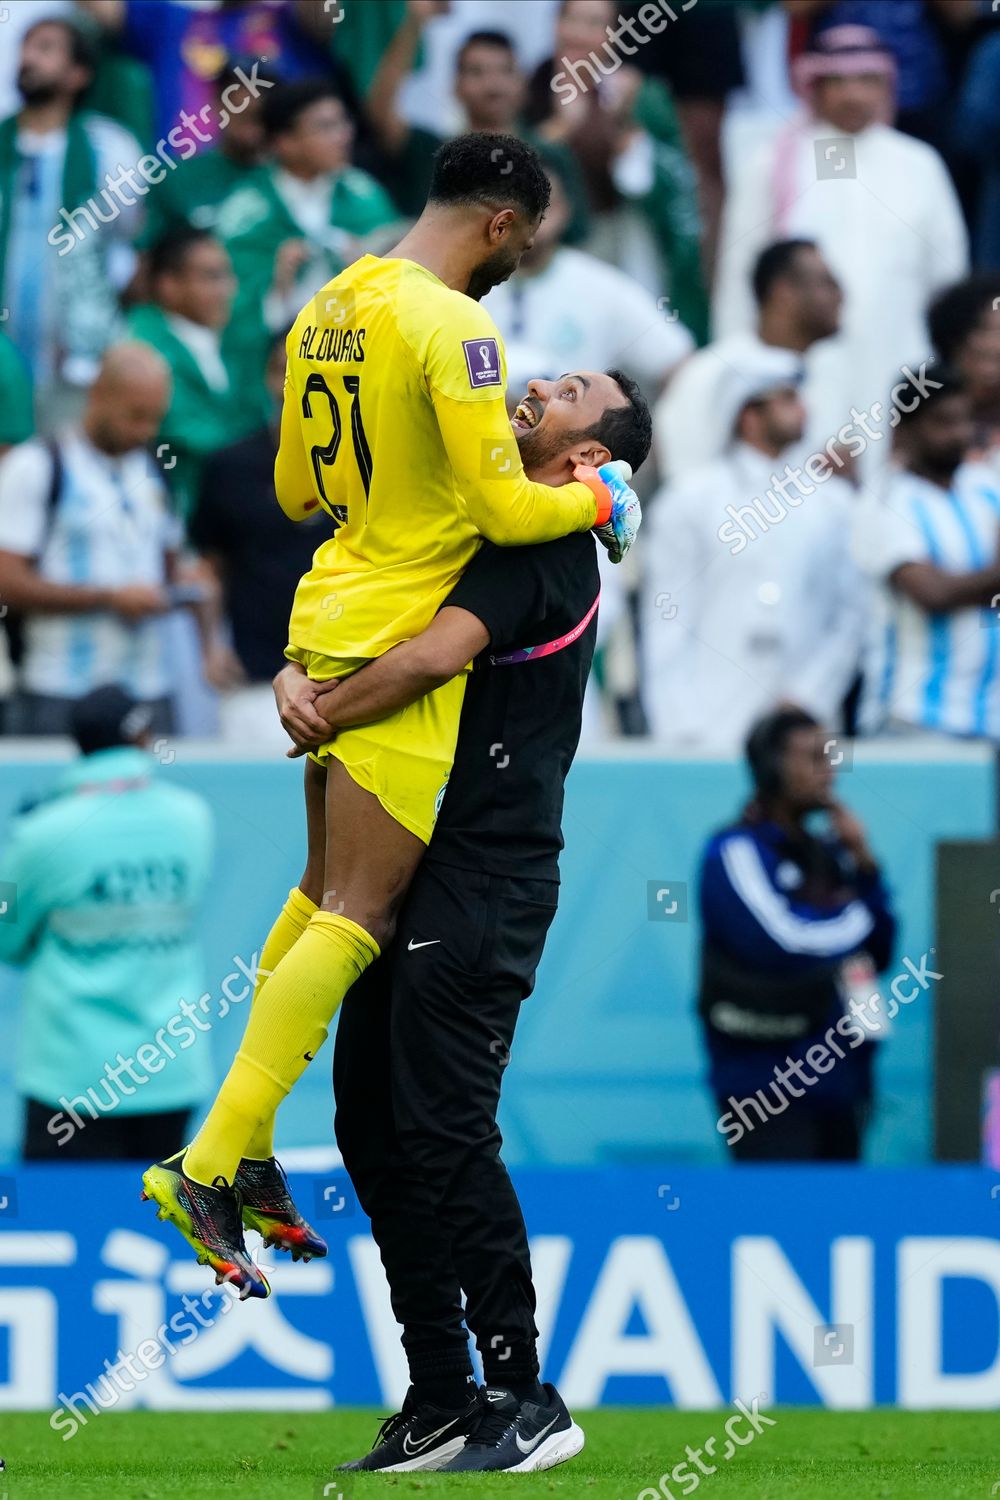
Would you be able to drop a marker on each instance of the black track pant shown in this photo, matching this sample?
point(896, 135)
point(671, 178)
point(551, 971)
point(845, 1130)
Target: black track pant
point(422, 1043)
point(801, 1133)
point(112, 1137)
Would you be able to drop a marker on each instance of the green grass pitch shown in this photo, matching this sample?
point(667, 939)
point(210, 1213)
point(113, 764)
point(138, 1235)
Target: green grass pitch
point(807, 1455)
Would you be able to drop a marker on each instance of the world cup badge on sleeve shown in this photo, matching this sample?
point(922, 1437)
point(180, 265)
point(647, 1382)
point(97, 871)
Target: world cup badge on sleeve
point(482, 358)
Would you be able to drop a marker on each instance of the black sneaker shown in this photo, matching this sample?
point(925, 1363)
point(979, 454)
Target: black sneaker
point(520, 1438)
point(420, 1437)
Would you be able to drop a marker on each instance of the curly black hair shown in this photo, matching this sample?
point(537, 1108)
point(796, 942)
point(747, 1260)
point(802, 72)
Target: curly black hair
point(491, 171)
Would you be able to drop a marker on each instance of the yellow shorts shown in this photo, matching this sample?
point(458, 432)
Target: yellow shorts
point(404, 760)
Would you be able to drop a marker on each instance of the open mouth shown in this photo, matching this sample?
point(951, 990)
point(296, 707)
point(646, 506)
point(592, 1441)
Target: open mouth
point(527, 415)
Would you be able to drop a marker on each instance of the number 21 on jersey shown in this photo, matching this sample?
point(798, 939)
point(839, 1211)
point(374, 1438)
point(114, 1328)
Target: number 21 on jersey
point(323, 455)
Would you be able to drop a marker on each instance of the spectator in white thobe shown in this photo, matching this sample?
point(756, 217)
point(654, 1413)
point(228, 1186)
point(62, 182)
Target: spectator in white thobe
point(798, 303)
point(879, 204)
point(750, 597)
point(566, 310)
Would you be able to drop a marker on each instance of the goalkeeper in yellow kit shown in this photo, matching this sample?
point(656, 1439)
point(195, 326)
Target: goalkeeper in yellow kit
point(394, 421)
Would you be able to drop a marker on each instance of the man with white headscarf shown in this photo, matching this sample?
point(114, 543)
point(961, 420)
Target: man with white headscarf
point(798, 302)
point(750, 596)
point(879, 204)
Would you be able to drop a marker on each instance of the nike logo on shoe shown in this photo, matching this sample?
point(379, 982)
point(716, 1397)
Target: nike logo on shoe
point(411, 945)
point(530, 1447)
point(411, 1448)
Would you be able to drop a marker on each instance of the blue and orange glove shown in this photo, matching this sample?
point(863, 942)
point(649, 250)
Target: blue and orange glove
point(619, 514)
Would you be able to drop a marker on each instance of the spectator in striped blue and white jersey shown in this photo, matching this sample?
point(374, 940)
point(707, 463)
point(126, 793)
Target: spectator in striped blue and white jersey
point(933, 546)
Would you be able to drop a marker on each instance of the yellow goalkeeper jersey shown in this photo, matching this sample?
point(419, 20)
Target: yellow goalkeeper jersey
point(394, 421)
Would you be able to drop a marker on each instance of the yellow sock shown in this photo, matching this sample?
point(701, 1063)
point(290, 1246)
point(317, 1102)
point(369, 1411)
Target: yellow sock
point(287, 1026)
point(291, 923)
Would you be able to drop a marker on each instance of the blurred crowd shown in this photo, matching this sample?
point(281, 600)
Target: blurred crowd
point(781, 217)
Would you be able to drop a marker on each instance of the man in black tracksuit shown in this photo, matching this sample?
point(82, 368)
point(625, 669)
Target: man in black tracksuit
point(424, 1036)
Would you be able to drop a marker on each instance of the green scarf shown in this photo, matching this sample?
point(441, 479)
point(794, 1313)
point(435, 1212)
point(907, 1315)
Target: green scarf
point(79, 174)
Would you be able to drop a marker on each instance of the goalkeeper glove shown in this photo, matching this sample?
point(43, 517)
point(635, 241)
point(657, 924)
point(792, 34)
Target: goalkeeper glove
point(619, 514)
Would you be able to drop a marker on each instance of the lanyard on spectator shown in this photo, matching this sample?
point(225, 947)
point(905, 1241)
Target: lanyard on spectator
point(532, 653)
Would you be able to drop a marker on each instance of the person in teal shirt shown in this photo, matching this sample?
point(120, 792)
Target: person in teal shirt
point(100, 889)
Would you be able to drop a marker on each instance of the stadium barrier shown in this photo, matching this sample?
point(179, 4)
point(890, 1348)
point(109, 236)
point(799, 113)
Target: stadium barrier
point(607, 1065)
point(843, 1287)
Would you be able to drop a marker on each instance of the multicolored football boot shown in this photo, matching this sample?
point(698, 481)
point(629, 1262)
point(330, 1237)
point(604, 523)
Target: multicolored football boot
point(268, 1208)
point(210, 1220)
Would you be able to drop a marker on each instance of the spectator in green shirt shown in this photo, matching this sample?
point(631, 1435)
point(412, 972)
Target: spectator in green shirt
point(192, 287)
point(491, 88)
point(301, 218)
point(17, 421)
point(194, 192)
